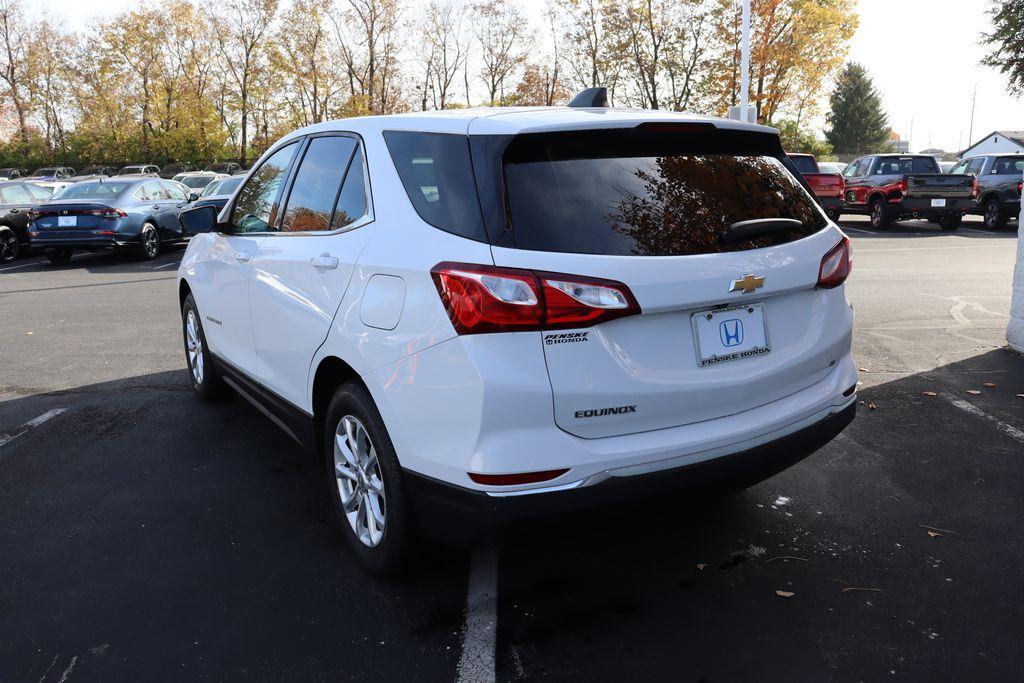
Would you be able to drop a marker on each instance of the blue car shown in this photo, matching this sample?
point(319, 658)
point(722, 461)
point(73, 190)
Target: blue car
point(137, 214)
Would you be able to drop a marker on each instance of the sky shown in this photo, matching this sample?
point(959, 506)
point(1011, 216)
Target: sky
point(922, 54)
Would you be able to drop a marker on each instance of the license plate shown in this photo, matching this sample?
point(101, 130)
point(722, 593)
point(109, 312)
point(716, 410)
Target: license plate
point(727, 334)
point(67, 221)
point(938, 203)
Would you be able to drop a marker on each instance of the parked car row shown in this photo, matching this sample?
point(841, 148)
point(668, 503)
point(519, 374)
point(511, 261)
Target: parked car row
point(893, 187)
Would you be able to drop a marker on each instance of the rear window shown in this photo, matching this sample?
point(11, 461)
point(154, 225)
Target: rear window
point(437, 174)
point(804, 164)
point(91, 190)
point(904, 165)
point(650, 195)
point(1008, 166)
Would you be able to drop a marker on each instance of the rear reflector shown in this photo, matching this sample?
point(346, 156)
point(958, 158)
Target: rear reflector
point(481, 299)
point(835, 265)
point(517, 478)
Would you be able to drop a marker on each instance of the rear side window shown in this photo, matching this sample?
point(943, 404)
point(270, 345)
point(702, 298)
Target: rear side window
point(37, 192)
point(317, 183)
point(15, 194)
point(352, 200)
point(804, 164)
point(1008, 166)
point(649, 195)
point(437, 174)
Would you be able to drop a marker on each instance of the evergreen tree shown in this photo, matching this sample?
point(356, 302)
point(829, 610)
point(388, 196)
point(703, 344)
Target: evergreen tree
point(1007, 42)
point(858, 122)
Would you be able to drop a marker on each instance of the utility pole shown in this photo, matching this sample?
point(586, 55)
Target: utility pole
point(974, 101)
point(745, 63)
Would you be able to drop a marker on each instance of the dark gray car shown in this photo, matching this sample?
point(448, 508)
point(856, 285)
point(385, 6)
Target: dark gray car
point(1000, 178)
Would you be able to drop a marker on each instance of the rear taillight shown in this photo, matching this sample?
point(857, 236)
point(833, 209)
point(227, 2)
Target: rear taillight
point(835, 265)
point(902, 185)
point(842, 186)
point(1020, 186)
point(481, 299)
point(974, 188)
point(110, 213)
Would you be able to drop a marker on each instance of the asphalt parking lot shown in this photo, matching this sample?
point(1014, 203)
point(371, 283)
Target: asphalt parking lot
point(146, 536)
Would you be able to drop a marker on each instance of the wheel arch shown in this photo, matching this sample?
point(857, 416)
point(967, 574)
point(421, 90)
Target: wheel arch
point(330, 374)
point(183, 291)
point(991, 194)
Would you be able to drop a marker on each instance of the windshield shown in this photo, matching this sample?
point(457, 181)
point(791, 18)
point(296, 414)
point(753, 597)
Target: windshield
point(649, 195)
point(131, 169)
point(221, 187)
point(44, 172)
point(804, 164)
point(196, 181)
point(91, 190)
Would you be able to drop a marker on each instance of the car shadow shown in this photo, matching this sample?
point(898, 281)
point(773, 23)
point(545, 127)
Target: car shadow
point(894, 550)
point(144, 531)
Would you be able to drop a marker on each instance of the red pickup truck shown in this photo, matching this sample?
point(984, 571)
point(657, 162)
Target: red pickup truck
point(828, 188)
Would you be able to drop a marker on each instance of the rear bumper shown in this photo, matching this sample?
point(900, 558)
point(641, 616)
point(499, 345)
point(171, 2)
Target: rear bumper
point(90, 242)
point(831, 203)
point(457, 513)
point(923, 205)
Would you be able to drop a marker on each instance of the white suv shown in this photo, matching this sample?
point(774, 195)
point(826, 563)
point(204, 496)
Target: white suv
point(475, 314)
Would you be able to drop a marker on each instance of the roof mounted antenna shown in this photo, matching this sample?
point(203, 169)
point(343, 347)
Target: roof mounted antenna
point(591, 97)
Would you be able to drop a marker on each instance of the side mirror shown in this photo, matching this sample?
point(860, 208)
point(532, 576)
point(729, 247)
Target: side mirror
point(192, 196)
point(199, 219)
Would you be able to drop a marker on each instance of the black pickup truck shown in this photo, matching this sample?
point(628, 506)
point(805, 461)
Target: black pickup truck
point(892, 187)
point(1000, 178)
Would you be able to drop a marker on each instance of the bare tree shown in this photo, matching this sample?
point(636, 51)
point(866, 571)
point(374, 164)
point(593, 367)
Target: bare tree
point(14, 60)
point(240, 27)
point(368, 34)
point(500, 29)
point(441, 31)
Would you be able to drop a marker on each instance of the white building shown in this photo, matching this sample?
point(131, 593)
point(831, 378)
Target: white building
point(997, 142)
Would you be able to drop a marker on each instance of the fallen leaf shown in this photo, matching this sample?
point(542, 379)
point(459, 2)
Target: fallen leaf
point(872, 406)
point(785, 594)
point(863, 369)
point(933, 534)
point(990, 385)
point(700, 567)
point(1020, 395)
point(929, 393)
point(30, 333)
point(973, 392)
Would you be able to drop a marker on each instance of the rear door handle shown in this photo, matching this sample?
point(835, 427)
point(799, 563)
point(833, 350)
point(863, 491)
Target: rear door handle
point(243, 256)
point(324, 262)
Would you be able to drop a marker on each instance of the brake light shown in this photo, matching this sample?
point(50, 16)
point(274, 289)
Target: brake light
point(902, 185)
point(110, 213)
point(481, 299)
point(974, 188)
point(836, 265)
point(842, 186)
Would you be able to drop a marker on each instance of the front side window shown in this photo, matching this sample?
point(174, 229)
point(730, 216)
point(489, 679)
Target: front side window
point(14, 194)
point(649, 195)
point(256, 207)
point(174, 192)
point(976, 165)
point(317, 184)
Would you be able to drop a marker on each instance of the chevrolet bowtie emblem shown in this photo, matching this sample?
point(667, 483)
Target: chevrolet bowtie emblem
point(747, 284)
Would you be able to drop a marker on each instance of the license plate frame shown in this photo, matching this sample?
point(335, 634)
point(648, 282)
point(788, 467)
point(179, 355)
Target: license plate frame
point(67, 221)
point(938, 203)
point(711, 324)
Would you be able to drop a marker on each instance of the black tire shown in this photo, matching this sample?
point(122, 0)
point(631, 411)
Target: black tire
point(391, 552)
point(206, 382)
point(59, 257)
point(833, 214)
point(951, 221)
point(995, 216)
point(9, 247)
point(880, 217)
point(148, 247)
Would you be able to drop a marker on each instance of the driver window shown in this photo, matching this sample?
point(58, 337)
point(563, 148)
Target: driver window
point(256, 207)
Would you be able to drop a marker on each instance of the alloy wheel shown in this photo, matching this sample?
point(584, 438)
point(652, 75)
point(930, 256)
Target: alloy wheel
point(149, 242)
point(194, 346)
point(360, 484)
point(991, 214)
point(8, 246)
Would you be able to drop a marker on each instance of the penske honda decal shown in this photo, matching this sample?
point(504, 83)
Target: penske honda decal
point(565, 338)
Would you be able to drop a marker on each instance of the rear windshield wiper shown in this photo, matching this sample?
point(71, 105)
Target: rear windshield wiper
point(747, 230)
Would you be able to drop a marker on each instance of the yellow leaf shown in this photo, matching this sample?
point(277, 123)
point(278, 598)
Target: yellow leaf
point(933, 534)
point(990, 385)
point(872, 406)
point(929, 393)
point(973, 392)
point(700, 567)
point(785, 594)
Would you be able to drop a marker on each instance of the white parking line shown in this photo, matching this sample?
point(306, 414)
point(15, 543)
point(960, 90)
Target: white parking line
point(22, 265)
point(34, 422)
point(979, 232)
point(963, 405)
point(164, 265)
point(476, 663)
point(866, 232)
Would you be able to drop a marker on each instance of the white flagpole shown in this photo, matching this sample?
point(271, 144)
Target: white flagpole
point(745, 63)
